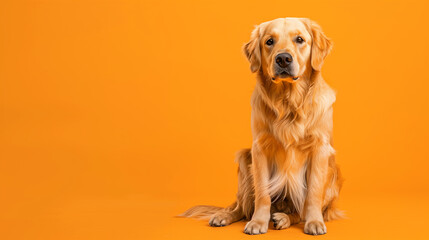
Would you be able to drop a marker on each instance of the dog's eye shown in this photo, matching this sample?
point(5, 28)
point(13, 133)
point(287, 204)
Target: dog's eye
point(299, 39)
point(269, 42)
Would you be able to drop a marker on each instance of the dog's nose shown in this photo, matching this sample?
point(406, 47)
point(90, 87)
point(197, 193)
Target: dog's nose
point(284, 59)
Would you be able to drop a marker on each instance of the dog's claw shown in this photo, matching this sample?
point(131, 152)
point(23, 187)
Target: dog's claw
point(256, 227)
point(315, 228)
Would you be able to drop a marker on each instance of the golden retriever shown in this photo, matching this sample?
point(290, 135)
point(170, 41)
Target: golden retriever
point(289, 175)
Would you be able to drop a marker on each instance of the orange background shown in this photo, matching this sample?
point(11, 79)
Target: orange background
point(117, 115)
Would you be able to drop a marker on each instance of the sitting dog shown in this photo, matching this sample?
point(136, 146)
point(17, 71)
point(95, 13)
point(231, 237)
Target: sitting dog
point(289, 175)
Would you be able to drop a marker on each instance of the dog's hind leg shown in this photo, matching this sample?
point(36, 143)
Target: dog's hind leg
point(243, 207)
point(227, 216)
point(282, 220)
point(283, 214)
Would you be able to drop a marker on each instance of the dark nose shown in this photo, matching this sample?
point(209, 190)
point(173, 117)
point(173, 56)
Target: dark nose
point(283, 59)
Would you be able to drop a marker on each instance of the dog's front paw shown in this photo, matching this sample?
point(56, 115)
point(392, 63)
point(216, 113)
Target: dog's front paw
point(220, 219)
point(256, 227)
point(281, 220)
point(315, 228)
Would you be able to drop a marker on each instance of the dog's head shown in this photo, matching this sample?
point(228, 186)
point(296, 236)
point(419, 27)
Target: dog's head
point(285, 48)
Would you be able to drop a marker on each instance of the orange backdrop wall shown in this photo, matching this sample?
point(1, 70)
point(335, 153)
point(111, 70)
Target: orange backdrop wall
point(117, 115)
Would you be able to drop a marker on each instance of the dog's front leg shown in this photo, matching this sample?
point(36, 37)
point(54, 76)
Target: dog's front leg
point(319, 167)
point(261, 214)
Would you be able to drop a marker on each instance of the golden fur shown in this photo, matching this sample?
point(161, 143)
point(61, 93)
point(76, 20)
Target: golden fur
point(289, 175)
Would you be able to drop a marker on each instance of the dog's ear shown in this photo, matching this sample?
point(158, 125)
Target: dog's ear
point(253, 51)
point(321, 45)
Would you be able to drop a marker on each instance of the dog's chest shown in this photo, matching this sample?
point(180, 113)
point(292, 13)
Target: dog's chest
point(291, 128)
point(287, 177)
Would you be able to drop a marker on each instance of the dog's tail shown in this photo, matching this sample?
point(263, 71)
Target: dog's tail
point(201, 212)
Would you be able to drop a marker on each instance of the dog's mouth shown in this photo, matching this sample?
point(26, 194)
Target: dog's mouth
point(284, 76)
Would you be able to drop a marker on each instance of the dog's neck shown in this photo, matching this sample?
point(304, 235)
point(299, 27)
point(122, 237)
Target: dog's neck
point(285, 96)
point(293, 94)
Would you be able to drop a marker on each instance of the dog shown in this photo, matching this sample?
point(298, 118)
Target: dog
point(289, 175)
